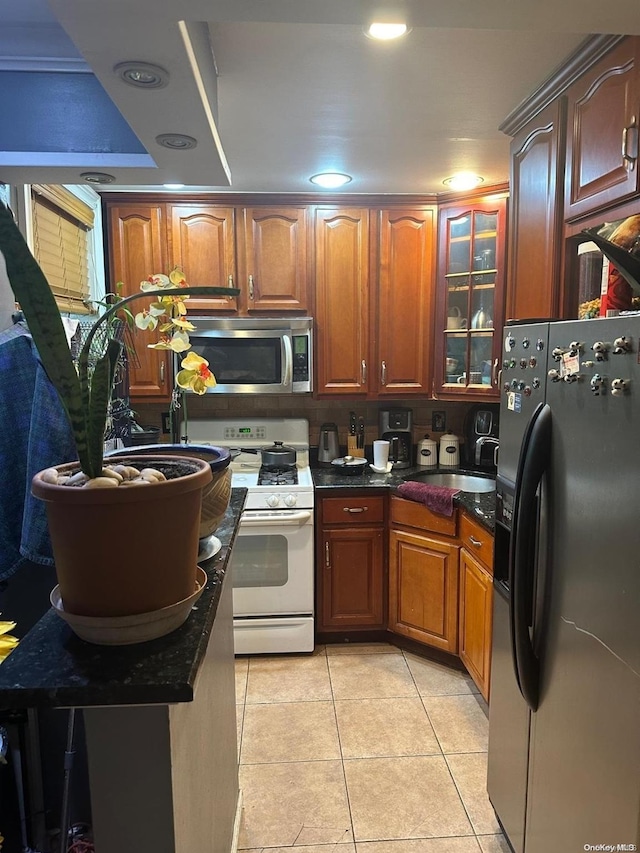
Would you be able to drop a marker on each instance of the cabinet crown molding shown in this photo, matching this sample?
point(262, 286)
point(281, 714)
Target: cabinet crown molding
point(590, 51)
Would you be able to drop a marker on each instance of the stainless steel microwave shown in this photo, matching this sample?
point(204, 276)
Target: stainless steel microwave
point(255, 355)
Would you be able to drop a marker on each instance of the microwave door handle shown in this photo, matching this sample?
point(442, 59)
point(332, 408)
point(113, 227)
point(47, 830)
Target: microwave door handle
point(287, 355)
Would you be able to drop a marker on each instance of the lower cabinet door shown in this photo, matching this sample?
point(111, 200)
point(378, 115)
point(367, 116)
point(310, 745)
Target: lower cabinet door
point(476, 614)
point(352, 580)
point(423, 589)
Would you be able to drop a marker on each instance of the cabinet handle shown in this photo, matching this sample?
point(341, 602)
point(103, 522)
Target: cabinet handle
point(250, 287)
point(162, 372)
point(494, 373)
point(383, 373)
point(230, 284)
point(363, 372)
point(355, 509)
point(630, 144)
point(475, 542)
point(327, 559)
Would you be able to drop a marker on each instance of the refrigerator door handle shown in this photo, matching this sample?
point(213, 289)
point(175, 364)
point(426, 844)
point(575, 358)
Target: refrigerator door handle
point(535, 455)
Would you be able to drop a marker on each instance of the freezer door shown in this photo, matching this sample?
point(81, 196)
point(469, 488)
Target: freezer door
point(584, 766)
point(508, 731)
point(524, 358)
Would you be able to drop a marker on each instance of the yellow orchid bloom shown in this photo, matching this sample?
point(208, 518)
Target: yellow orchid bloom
point(195, 374)
point(7, 641)
point(186, 325)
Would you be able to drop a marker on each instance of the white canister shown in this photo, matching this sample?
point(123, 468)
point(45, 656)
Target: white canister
point(450, 450)
point(427, 452)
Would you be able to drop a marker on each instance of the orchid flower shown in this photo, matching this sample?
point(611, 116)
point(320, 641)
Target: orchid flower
point(195, 374)
point(7, 641)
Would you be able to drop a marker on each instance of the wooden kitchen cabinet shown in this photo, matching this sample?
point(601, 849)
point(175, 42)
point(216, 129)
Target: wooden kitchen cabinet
point(423, 577)
point(137, 249)
point(602, 140)
point(535, 215)
point(374, 300)
point(274, 259)
point(476, 602)
point(351, 577)
point(470, 297)
point(203, 244)
point(402, 307)
point(342, 301)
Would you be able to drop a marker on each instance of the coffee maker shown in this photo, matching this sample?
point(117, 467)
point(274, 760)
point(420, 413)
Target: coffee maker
point(481, 437)
point(395, 427)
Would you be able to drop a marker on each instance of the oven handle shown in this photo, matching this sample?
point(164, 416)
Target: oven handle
point(277, 519)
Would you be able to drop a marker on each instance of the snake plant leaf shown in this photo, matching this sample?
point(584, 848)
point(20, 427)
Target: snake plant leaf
point(101, 385)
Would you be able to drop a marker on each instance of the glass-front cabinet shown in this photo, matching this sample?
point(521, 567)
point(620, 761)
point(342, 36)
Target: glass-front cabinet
point(470, 297)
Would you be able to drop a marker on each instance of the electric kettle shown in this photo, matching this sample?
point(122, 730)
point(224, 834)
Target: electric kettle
point(328, 444)
point(450, 450)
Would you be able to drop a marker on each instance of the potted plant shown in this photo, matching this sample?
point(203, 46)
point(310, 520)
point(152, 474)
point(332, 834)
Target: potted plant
point(121, 546)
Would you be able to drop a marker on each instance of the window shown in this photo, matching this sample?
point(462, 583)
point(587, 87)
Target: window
point(62, 225)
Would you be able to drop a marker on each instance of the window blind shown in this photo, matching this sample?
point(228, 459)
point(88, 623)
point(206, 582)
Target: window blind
point(61, 225)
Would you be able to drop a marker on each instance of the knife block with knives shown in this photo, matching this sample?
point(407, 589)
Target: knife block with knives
point(355, 439)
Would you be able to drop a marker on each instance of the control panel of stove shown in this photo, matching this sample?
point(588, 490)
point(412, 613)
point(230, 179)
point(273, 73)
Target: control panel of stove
point(246, 433)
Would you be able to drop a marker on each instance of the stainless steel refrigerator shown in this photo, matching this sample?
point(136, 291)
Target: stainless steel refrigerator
point(564, 715)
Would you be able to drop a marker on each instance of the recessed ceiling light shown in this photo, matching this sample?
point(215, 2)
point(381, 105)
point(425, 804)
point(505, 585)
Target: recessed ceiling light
point(176, 141)
point(173, 186)
point(330, 180)
point(97, 177)
point(463, 181)
point(386, 31)
point(144, 75)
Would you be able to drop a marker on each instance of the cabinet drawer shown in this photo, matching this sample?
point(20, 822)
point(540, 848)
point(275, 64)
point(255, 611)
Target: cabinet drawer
point(412, 514)
point(353, 510)
point(477, 540)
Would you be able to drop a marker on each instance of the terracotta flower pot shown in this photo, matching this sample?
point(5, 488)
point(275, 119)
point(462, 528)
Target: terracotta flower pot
point(127, 550)
point(215, 495)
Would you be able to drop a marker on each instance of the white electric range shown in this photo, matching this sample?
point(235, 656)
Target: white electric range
point(273, 556)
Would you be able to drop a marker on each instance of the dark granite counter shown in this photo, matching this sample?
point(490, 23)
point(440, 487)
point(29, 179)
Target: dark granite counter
point(479, 505)
point(51, 667)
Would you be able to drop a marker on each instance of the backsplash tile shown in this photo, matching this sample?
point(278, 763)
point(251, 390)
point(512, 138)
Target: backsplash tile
point(316, 412)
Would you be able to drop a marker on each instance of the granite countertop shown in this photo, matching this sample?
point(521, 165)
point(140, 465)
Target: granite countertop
point(51, 667)
point(480, 506)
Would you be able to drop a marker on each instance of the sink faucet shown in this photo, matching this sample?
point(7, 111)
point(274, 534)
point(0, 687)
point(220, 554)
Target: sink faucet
point(480, 443)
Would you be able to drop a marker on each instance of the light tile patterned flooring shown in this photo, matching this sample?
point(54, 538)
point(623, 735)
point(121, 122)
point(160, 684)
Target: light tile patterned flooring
point(365, 746)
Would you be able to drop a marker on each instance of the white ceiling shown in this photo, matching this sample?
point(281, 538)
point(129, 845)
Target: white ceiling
point(299, 89)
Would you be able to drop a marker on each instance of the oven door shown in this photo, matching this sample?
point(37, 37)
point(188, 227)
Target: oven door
point(272, 563)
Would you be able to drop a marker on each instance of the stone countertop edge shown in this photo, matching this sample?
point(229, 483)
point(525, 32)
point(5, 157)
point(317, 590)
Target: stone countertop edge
point(53, 668)
point(481, 506)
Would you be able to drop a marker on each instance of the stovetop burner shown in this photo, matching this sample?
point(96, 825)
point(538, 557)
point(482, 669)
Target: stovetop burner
point(278, 477)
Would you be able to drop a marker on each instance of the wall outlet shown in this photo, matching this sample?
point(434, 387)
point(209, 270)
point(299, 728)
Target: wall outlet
point(166, 422)
point(438, 421)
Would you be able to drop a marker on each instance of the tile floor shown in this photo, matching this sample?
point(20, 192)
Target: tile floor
point(365, 746)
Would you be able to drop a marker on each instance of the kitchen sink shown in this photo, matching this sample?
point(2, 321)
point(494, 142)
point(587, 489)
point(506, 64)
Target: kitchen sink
point(455, 480)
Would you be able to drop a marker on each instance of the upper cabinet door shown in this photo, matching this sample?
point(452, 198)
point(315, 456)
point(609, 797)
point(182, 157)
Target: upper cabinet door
point(274, 270)
point(203, 244)
point(535, 233)
point(405, 294)
point(470, 298)
point(602, 142)
point(136, 251)
point(342, 300)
